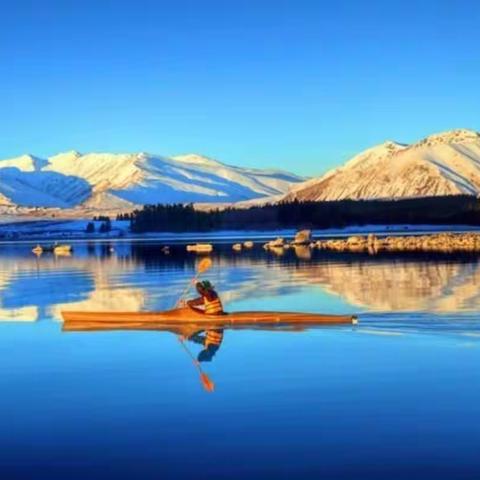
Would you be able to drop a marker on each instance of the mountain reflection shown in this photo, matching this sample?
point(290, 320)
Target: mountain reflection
point(400, 285)
point(139, 276)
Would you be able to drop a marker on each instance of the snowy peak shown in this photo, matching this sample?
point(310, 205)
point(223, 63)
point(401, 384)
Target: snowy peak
point(24, 163)
point(195, 159)
point(447, 163)
point(100, 170)
point(450, 137)
point(69, 156)
point(383, 151)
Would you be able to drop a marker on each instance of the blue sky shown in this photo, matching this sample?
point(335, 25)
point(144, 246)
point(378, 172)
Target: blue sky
point(301, 85)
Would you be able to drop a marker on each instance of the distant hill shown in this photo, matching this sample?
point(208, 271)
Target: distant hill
point(119, 182)
point(443, 164)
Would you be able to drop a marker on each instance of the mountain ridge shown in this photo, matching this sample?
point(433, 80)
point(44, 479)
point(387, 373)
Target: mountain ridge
point(72, 180)
point(446, 163)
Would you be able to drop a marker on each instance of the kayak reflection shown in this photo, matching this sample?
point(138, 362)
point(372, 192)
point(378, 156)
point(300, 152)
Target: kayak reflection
point(207, 330)
point(207, 333)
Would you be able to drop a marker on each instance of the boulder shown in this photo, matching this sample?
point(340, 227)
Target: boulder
point(303, 237)
point(200, 248)
point(277, 243)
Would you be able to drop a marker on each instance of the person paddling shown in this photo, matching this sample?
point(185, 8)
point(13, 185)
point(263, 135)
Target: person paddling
point(212, 305)
point(209, 299)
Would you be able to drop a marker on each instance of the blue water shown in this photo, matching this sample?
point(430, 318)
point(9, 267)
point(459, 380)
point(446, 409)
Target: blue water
point(396, 397)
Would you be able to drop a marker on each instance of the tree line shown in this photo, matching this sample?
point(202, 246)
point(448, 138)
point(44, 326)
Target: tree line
point(453, 209)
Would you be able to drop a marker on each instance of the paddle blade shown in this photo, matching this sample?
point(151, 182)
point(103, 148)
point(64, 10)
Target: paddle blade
point(204, 265)
point(207, 383)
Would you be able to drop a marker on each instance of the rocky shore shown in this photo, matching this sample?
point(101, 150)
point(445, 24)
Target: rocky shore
point(441, 242)
point(372, 244)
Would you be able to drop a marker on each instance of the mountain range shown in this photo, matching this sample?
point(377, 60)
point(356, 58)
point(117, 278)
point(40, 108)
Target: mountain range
point(121, 182)
point(442, 164)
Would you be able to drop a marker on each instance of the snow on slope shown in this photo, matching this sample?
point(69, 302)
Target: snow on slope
point(25, 163)
point(4, 201)
point(120, 181)
point(442, 164)
point(268, 182)
point(42, 188)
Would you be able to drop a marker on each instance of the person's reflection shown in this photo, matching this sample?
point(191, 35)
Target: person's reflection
point(211, 341)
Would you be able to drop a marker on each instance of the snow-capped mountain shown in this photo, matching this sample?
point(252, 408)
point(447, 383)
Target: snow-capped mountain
point(442, 164)
point(104, 181)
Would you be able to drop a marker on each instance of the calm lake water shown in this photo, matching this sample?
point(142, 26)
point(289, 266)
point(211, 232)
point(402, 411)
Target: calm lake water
point(396, 397)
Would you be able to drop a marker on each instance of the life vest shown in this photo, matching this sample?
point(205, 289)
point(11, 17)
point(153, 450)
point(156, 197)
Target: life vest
point(213, 307)
point(213, 337)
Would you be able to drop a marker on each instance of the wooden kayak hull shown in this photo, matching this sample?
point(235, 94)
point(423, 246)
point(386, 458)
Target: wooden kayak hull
point(78, 320)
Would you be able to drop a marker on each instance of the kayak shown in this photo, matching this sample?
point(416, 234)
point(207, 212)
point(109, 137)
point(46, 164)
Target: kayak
point(81, 320)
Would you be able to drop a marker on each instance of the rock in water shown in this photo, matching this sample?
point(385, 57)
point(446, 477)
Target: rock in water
point(277, 243)
point(303, 237)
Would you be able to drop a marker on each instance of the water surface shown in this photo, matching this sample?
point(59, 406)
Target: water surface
point(395, 397)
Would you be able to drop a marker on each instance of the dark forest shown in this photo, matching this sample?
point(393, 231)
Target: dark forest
point(454, 209)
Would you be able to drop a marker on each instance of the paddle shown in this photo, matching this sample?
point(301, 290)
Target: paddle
point(202, 266)
point(207, 383)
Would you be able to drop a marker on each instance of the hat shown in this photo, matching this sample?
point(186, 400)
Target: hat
point(206, 285)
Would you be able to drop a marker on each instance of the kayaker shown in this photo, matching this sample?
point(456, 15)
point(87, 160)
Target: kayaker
point(211, 341)
point(209, 299)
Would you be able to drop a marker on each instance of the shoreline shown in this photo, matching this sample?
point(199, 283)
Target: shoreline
point(49, 231)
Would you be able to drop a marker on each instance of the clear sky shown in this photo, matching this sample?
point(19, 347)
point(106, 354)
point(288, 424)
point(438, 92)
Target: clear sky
point(298, 84)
